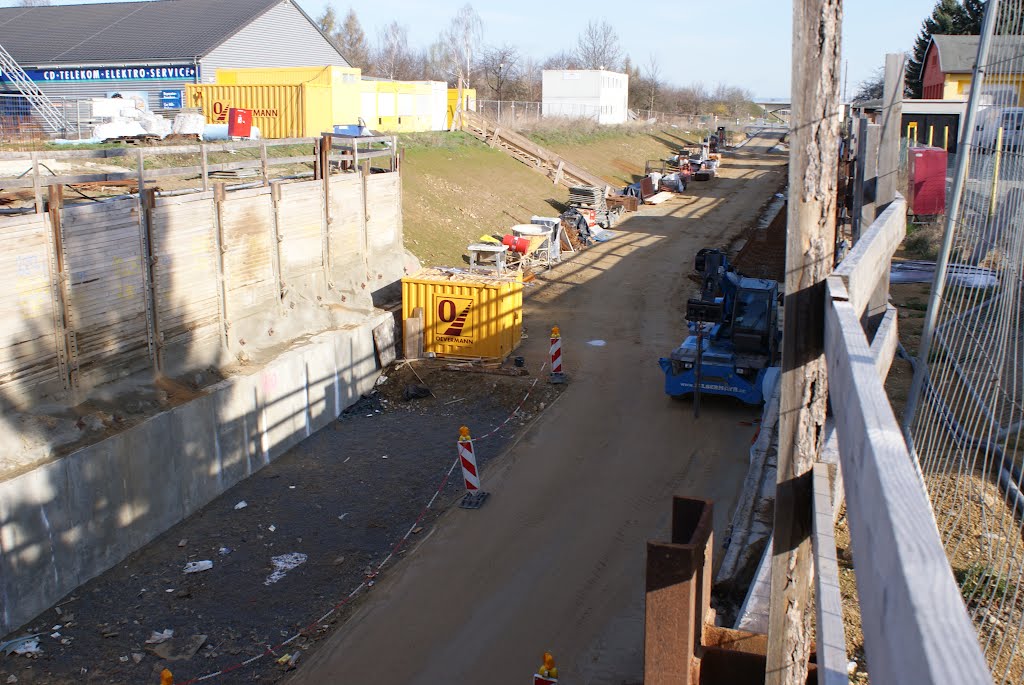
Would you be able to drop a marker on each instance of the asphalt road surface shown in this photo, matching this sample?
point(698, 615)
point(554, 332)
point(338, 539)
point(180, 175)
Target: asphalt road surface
point(555, 559)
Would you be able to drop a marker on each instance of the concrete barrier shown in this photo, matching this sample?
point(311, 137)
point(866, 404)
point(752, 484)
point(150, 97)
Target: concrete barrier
point(71, 519)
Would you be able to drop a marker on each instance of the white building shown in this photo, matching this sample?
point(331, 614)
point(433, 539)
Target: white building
point(591, 93)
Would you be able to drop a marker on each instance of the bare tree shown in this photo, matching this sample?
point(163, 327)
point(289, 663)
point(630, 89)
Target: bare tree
point(433, 62)
point(562, 60)
point(500, 66)
point(531, 80)
point(652, 81)
point(351, 41)
point(393, 59)
point(462, 39)
point(598, 47)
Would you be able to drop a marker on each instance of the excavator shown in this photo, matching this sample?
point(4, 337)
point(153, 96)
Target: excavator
point(733, 339)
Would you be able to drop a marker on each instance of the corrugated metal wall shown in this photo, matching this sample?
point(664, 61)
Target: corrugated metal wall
point(114, 289)
point(30, 334)
point(282, 37)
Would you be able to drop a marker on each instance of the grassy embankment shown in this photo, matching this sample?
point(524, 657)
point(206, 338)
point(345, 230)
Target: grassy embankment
point(456, 188)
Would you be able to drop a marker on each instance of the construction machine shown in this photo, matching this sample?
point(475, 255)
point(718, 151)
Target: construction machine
point(733, 339)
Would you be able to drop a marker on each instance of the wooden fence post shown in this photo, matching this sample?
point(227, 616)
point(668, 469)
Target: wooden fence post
point(204, 165)
point(37, 183)
point(264, 166)
point(810, 246)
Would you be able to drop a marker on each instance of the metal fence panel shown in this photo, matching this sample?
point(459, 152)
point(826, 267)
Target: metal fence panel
point(30, 338)
point(102, 246)
point(347, 236)
point(968, 387)
point(183, 245)
point(247, 223)
point(383, 215)
point(300, 222)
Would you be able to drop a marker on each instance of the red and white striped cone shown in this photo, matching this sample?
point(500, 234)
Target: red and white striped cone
point(474, 497)
point(557, 376)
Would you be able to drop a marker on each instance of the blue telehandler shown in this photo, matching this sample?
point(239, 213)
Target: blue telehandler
point(734, 337)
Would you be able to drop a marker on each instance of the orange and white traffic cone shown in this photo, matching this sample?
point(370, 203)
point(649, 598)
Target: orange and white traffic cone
point(557, 376)
point(474, 497)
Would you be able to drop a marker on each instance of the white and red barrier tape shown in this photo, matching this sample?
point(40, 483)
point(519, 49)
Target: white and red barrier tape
point(272, 650)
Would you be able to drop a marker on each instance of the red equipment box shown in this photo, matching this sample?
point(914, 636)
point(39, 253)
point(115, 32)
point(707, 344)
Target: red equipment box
point(239, 123)
point(927, 182)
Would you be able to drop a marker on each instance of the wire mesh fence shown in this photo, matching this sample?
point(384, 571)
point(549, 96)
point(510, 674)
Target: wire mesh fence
point(517, 113)
point(22, 128)
point(969, 383)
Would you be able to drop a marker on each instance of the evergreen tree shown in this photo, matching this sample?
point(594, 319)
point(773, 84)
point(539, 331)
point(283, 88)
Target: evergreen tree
point(949, 17)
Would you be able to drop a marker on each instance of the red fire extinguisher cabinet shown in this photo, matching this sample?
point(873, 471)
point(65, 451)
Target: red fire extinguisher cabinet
point(239, 123)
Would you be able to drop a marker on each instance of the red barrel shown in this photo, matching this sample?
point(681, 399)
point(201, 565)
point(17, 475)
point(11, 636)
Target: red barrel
point(239, 123)
point(520, 245)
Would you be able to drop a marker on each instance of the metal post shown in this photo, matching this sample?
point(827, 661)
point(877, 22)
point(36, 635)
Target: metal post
point(939, 283)
point(995, 174)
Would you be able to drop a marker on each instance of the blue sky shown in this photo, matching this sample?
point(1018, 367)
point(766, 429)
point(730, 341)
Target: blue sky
point(743, 43)
point(738, 42)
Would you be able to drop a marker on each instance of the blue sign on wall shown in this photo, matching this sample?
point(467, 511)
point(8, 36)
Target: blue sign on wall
point(169, 72)
point(170, 99)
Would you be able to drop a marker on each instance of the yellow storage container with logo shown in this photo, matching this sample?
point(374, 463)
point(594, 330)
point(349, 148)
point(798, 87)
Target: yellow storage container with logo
point(293, 76)
point(466, 315)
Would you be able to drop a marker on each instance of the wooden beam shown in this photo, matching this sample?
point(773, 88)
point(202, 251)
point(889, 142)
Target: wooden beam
point(831, 635)
point(915, 625)
point(869, 260)
point(885, 342)
point(810, 243)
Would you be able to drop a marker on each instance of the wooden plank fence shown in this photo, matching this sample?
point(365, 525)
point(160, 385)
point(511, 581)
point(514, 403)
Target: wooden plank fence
point(915, 625)
point(103, 289)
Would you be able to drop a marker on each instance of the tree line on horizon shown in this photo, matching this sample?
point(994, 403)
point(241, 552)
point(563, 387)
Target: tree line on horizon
point(504, 72)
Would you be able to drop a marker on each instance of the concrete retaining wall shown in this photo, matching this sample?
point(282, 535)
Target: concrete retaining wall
point(69, 520)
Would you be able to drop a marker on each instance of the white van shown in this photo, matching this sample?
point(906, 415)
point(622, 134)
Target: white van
point(990, 119)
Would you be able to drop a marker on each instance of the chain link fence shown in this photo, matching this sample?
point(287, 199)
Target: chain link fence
point(965, 412)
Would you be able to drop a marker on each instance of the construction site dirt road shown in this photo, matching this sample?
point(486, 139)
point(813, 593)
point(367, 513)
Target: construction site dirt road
point(555, 559)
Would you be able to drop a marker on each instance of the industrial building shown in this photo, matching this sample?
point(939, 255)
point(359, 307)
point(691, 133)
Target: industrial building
point(151, 51)
point(586, 93)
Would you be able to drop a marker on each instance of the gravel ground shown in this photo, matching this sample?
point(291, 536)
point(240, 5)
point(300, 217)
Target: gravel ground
point(343, 498)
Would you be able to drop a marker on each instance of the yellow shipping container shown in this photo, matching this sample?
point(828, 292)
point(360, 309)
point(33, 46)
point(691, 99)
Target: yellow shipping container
point(289, 76)
point(468, 101)
point(466, 315)
point(279, 111)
